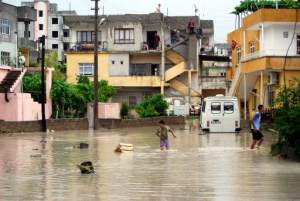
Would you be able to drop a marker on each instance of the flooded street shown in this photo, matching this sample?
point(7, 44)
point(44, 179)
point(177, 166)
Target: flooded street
point(214, 167)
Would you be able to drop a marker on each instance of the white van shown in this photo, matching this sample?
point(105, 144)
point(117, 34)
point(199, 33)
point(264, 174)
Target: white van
point(220, 114)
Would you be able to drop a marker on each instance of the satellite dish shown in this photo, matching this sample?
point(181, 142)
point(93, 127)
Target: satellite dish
point(22, 60)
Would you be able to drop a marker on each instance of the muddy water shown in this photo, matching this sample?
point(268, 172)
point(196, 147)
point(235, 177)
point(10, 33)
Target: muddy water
point(215, 167)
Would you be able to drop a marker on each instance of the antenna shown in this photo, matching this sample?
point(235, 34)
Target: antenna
point(196, 10)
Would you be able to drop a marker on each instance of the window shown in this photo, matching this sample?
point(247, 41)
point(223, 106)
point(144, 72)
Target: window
point(5, 58)
point(252, 47)
point(55, 20)
point(132, 100)
point(87, 36)
point(54, 46)
point(66, 46)
point(4, 26)
point(215, 108)
point(298, 44)
point(66, 33)
point(86, 69)
point(40, 13)
point(113, 62)
point(239, 55)
point(124, 36)
point(228, 107)
point(121, 62)
point(285, 34)
point(41, 27)
point(54, 34)
point(203, 106)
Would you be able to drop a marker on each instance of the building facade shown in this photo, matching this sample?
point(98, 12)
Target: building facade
point(266, 51)
point(10, 16)
point(131, 56)
point(49, 22)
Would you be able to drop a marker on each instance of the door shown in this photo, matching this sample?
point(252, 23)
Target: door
point(229, 116)
point(216, 116)
point(151, 39)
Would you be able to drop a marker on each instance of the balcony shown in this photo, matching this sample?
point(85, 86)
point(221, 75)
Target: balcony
point(213, 82)
point(270, 16)
point(87, 46)
point(269, 53)
point(134, 81)
point(25, 43)
point(26, 14)
point(270, 59)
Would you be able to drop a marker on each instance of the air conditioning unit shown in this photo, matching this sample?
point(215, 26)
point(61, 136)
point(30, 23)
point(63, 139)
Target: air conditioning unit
point(273, 78)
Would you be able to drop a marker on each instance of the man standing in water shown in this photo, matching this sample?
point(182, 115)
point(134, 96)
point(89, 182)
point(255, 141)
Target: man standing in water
point(162, 133)
point(258, 137)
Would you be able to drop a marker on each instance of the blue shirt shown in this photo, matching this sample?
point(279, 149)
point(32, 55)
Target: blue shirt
point(257, 120)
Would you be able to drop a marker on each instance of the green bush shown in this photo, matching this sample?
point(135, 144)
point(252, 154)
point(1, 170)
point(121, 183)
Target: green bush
point(152, 106)
point(124, 110)
point(69, 100)
point(287, 118)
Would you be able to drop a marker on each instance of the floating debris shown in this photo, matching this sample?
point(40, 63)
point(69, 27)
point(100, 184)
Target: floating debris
point(86, 167)
point(81, 146)
point(124, 147)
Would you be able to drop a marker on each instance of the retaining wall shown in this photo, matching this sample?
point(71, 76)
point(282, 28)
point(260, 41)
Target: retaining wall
point(82, 124)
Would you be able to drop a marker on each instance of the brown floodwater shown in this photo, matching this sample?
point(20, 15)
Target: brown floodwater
point(214, 167)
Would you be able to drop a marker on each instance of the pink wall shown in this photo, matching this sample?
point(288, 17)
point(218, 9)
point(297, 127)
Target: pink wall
point(21, 107)
point(109, 110)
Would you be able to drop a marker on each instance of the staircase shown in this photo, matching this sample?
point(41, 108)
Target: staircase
point(235, 81)
point(9, 81)
point(183, 89)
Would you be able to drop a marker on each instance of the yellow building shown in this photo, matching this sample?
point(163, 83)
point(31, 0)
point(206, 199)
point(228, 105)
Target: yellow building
point(134, 74)
point(266, 53)
point(131, 60)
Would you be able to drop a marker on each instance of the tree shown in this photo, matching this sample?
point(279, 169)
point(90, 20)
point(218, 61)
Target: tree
point(152, 106)
point(32, 84)
point(287, 118)
point(69, 100)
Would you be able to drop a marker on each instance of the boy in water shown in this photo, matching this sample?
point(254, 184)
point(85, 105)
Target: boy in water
point(162, 132)
point(258, 137)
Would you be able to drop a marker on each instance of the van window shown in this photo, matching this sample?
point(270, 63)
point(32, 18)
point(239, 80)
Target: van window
point(215, 107)
point(228, 107)
point(203, 106)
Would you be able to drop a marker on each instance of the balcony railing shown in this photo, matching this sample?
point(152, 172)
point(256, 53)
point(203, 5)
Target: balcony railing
point(268, 52)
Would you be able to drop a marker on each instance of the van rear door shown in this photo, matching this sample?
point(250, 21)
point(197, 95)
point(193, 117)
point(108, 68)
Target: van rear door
point(216, 117)
point(229, 116)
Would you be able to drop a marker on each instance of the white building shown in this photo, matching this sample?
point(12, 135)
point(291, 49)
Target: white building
point(50, 23)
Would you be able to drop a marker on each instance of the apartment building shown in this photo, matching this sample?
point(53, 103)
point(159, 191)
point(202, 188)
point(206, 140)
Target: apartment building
point(49, 23)
point(130, 54)
point(10, 16)
point(266, 51)
point(213, 69)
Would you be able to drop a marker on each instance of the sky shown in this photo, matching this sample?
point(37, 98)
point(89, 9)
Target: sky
point(216, 10)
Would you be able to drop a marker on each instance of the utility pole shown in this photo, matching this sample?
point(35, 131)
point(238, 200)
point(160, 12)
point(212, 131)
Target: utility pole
point(96, 82)
point(162, 85)
point(43, 88)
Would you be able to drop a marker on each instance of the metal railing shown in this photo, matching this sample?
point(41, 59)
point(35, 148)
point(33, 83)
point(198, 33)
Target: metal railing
point(268, 52)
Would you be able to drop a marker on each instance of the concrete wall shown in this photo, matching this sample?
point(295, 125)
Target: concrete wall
point(82, 124)
point(21, 107)
point(118, 64)
point(276, 43)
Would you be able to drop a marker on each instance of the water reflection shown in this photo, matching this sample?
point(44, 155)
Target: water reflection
point(215, 167)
